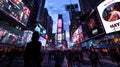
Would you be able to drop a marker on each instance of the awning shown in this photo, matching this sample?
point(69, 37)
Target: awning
point(107, 46)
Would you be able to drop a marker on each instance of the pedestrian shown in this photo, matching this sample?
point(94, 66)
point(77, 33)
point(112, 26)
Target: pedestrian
point(93, 57)
point(32, 52)
point(116, 57)
point(11, 56)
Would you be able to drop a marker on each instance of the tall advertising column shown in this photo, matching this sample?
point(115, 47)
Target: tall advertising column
point(59, 31)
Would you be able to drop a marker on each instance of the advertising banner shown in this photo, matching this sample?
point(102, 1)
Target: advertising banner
point(78, 36)
point(109, 11)
point(93, 26)
point(15, 9)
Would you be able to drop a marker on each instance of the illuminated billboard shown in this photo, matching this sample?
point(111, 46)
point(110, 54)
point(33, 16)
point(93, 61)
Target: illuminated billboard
point(42, 40)
point(15, 9)
point(92, 26)
point(78, 36)
point(109, 11)
point(59, 23)
point(60, 37)
point(7, 37)
point(1, 33)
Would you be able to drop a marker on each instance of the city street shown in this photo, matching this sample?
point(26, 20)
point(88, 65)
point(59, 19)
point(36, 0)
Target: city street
point(18, 62)
point(59, 33)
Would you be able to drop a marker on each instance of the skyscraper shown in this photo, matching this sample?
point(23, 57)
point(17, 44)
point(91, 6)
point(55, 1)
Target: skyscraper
point(59, 29)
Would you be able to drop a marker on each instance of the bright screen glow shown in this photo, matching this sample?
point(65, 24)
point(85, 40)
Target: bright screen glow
point(109, 11)
point(16, 9)
point(78, 36)
point(43, 41)
point(60, 36)
point(59, 22)
point(9, 38)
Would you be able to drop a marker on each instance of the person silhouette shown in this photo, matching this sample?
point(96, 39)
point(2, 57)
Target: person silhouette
point(114, 15)
point(32, 52)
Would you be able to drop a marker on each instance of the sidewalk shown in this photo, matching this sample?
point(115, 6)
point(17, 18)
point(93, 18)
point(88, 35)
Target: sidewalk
point(18, 62)
point(105, 62)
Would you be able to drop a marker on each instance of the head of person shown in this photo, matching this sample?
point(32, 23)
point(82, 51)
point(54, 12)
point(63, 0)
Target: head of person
point(35, 36)
point(91, 23)
point(111, 8)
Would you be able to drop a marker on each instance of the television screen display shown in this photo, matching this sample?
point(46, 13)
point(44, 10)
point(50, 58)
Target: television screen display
point(42, 40)
point(59, 23)
point(78, 36)
point(60, 36)
point(109, 12)
point(15, 9)
point(92, 27)
point(9, 38)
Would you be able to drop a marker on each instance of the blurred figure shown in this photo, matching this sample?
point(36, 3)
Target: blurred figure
point(93, 57)
point(116, 57)
point(59, 58)
point(11, 56)
point(32, 53)
point(114, 15)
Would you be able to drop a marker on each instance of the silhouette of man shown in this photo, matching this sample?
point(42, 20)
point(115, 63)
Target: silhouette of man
point(32, 52)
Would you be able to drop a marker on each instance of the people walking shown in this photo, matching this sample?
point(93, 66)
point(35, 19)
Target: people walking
point(93, 58)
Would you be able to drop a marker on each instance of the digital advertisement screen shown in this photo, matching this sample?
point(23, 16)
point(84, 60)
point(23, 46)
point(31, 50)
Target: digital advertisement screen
point(60, 36)
point(93, 26)
point(78, 36)
point(9, 38)
point(109, 12)
point(42, 40)
point(1, 33)
point(27, 36)
point(59, 23)
point(15, 9)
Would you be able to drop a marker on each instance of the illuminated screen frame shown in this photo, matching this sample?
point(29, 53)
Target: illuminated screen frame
point(104, 9)
point(90, 29)
point(59, 23)
point(78, 36)
point(17, 11)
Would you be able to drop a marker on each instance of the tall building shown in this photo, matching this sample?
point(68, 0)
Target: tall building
point(87, 5)
point(43, 17)
point(59, 30)
point(61, 34)
point(32, 19)
point(45, 20)
point(74, 14)
point(35, 13)
point(49, 27)
point(29, 3)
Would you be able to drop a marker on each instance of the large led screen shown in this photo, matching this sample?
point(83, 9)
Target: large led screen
point(109, 11)
point(92, 27)
point(42, 40)
point(7, 37)
point(59, 23)
point(16, 9)
point(78, 36)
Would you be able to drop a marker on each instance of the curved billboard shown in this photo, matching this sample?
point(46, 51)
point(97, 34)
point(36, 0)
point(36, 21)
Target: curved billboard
point(109, 11)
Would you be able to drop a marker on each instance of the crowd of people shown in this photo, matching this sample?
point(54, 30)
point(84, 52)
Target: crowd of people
point(34, 57)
